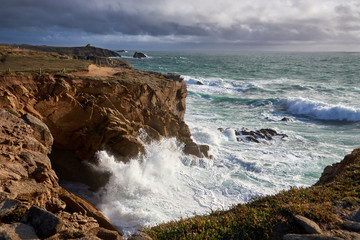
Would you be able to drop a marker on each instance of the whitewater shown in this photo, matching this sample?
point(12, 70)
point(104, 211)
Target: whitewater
point(313, 98)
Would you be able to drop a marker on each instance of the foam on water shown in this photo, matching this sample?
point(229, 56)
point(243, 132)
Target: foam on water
point(164, 184)
point(237, 91)
point(322, 111)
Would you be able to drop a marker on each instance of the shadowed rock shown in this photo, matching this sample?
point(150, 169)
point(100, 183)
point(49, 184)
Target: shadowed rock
point(139, 55)
point(254, 136)
point(17, 231)
point(45, 223)
point(309, 226)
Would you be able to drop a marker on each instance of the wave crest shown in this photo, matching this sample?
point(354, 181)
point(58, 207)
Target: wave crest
point(322, 111)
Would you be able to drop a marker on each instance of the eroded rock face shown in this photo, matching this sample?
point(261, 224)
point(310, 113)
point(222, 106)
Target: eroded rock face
point(29, 189)
point(330, 173)
point(85, 115)
point(26, 172)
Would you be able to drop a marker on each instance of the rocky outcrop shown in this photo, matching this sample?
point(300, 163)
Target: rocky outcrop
point(32, 204)
point(139, 55)
point(331, 173)
point(86, 114)
point(246, 135)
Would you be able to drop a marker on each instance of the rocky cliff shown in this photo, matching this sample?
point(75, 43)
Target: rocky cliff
point(53, 122)
point(32, 204)
point(86, 113)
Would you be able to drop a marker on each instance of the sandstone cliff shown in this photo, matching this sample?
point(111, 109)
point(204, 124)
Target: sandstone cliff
point(32, 204)
point(52, 122)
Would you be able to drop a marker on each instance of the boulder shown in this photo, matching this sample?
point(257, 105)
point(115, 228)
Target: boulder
point(199, 83)
point(75, 203)
point(17, 231)
point(286, 119)
point(45, 223)
point(254, 136)
point(309, 226)
point(103, 233)
point(139, 55)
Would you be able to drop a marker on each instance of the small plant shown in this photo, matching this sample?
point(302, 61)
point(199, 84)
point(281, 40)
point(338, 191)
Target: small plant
point(14, 216)
point(13, 112)
point(73, 235)
point(3, 58)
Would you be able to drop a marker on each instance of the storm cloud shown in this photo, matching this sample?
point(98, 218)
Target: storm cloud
point(228, 22)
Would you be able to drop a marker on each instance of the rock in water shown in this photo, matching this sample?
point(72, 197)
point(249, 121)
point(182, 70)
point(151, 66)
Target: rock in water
point(139, 55)
point(253, 136)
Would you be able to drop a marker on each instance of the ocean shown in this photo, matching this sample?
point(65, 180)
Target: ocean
point(316, 93)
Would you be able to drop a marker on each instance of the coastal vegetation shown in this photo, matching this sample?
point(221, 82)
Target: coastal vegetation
point(17, 60)
point(272, 216)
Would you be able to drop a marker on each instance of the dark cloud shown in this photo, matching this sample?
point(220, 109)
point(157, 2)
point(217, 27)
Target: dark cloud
point(228, 21)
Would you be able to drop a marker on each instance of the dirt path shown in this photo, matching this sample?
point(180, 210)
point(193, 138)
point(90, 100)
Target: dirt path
point(95, 71)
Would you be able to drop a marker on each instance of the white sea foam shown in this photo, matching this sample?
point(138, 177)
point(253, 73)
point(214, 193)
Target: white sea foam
point(322, 111)
point(164, 185)
point(216, 85)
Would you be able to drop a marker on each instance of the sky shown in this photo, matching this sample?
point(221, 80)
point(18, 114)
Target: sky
point(233, 25)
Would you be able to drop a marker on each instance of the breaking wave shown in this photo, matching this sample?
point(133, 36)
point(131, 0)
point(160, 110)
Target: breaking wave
point(322, 111)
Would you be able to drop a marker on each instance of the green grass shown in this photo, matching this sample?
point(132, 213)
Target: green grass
point(47, 64)
point(257, 219)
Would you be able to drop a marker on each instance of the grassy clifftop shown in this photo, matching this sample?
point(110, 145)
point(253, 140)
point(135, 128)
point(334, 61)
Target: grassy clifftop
point(271, 217)
point(81, 51)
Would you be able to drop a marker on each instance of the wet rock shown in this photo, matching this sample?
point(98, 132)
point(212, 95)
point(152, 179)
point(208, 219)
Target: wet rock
point(309, 226)
point(252, 139)
point(254, 136)
point(139, 55)
point(199, 83)
point(45, 223)
point(17, 231)
point(286, 119)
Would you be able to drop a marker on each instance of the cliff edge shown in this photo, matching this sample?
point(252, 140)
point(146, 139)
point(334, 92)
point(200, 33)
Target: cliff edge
point(52, 122)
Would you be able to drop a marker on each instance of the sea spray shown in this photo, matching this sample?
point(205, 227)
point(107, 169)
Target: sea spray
point(164, 184)
point(243, 90)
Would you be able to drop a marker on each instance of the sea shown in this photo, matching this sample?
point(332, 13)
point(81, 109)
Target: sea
point(313, 98)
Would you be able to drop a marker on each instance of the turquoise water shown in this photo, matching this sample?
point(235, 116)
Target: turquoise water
point(317, 92)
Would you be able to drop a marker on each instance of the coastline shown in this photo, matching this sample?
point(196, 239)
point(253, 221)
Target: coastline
point(58, 99)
